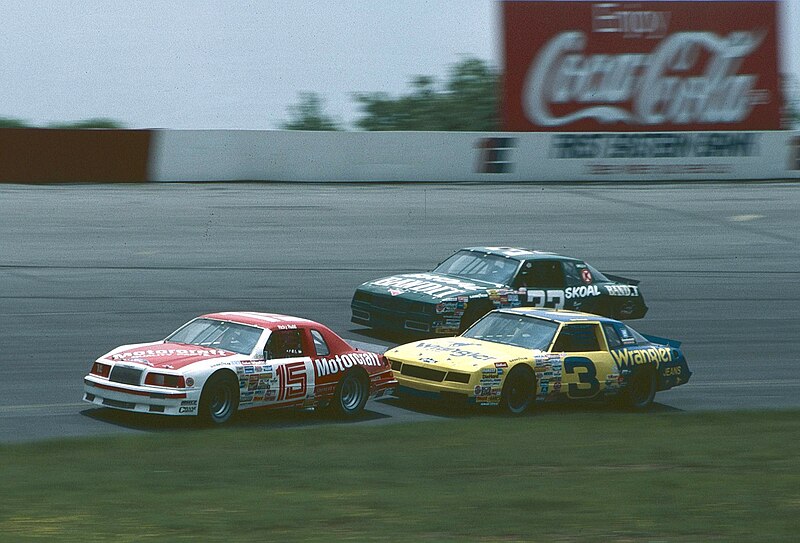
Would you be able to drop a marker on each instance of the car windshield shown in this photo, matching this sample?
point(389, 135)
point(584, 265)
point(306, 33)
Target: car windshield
point(480, 266)
point(519, 330)
point(229, 336)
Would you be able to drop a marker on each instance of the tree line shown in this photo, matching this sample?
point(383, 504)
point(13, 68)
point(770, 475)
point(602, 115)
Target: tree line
point(467, 101)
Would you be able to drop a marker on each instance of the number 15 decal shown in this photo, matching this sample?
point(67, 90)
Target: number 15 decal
point(586, 377)
point(546, 298)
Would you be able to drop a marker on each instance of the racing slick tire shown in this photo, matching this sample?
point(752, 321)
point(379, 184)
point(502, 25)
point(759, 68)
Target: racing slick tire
point(519, 391)
point(641, 390)
point(351, 395)
point(219, 400)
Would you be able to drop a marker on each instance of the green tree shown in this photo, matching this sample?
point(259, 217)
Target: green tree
point(97, 122)
point(468, 101)
point(8, 122)
point(308, 114)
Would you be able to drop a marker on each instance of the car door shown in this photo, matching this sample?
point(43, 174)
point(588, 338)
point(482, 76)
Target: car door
point(287, 354)
point(543, 282)
point(587, 364)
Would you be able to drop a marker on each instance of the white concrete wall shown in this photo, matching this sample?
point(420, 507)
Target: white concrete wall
point(296, 156)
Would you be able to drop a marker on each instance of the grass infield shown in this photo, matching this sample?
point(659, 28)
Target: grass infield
point(556, 478)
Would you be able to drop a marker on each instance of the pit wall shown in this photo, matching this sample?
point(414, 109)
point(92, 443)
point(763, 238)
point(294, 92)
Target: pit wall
point(42, 155)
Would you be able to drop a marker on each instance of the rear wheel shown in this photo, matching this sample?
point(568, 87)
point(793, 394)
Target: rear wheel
point(219, 399)
point(351, 395)
point(518, 391)
point(641, 390)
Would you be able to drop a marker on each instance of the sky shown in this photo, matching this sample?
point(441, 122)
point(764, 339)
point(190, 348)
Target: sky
point(237, 63)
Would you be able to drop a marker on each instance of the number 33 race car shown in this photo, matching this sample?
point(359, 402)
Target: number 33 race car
point(219, 363)
point(476, 280)
point(513, 357)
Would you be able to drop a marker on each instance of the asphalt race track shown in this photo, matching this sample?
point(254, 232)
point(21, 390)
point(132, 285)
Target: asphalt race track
point(86, 268)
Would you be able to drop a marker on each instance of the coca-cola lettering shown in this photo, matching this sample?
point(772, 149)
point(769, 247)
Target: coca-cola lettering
point(651, 85)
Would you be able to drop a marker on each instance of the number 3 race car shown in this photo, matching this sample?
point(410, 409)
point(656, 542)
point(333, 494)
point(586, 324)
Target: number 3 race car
point(219, 363)
point(513, 357)
point(475, 280)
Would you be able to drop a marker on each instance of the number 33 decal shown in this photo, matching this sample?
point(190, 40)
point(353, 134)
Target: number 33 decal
point(546, 298)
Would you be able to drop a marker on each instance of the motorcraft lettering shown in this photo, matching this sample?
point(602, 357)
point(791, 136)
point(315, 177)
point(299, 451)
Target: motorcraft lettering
point(170, 352)
point(658, 87)
point(432, 285)
point(628, 357)
point(453, 351)
point(339, 363)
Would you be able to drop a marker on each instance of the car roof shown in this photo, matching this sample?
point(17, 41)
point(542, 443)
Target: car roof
point(557, 315)
point(518, 253)
point(262, 320)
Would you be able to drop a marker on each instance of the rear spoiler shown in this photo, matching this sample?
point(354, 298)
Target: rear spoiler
point(620, 279)
point(663, 341)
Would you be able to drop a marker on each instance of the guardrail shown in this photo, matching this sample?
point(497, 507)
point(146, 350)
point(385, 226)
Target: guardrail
point(44, 155)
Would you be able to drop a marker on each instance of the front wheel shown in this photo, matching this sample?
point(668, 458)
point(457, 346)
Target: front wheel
point(518, 391)
point(219, 399)
point(641, 390)
point(351, 395)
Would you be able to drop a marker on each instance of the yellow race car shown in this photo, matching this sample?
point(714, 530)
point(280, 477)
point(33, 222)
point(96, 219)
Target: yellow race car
point(514, 357)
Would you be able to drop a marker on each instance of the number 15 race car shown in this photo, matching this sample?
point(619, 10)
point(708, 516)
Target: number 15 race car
point(475, 280)
point(219, 363)
point(513, 357)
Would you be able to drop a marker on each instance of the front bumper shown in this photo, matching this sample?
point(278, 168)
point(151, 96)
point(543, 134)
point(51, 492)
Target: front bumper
point(380, 312)
point(425, 383)
point(140, 399)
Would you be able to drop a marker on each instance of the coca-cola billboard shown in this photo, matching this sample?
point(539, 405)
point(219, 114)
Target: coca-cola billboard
point(579, 66)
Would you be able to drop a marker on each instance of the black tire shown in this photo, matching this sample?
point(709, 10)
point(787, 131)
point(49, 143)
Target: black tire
point(351, 395)
point(219, 400)
point(640, 390)
point(519, 391)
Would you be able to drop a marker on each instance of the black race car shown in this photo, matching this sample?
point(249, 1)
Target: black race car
point(475, 280)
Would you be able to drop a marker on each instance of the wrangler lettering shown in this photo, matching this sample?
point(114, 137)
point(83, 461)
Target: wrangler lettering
point(649, 355)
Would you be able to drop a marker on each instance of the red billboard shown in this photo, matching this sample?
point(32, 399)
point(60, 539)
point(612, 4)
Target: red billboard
point(577, 66)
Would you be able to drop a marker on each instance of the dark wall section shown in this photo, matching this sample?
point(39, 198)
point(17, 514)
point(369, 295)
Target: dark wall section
point(43, 155)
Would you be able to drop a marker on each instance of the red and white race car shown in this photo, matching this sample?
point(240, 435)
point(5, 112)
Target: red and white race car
point(219, 363)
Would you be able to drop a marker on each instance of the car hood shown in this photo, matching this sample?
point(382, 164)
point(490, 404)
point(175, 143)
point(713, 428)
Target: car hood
point(428, 287)
point(459, 353)
point(172, 356)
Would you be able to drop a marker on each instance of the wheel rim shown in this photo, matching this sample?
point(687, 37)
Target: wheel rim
point(221, 402)
point(352, 394)
point(518, 394)
point(640, 389)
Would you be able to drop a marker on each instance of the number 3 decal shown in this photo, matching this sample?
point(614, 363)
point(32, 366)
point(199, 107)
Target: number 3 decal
point(546, 298)
point(588, 377)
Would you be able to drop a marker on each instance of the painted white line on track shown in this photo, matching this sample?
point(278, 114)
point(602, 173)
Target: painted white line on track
point(34, 407)
point(744, 218)
point(744, 383)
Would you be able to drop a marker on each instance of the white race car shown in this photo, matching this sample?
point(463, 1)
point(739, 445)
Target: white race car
point(219, 363)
